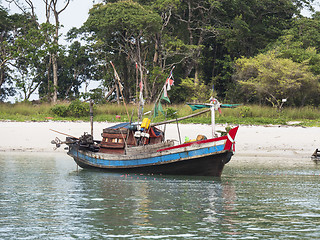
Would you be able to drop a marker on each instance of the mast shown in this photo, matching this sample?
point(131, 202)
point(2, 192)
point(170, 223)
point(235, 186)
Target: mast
point(91, 117)
point(213, 122)
point(120, 88)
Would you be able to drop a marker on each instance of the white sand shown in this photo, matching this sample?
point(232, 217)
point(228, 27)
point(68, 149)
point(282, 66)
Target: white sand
point(253, 143)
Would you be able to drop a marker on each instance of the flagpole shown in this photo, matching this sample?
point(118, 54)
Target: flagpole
point(213, 122)
point(117, 77)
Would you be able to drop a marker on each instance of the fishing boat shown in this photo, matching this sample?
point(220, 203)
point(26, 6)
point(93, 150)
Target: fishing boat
point(141, 147)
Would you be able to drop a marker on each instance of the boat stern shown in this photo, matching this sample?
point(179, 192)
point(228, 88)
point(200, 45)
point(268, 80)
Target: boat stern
point(230, 143)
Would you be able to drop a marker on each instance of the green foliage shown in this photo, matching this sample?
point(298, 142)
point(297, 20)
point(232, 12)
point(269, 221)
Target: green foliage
point(257, 115)
point(274, 78)
point(96, 95)
point(194, 92)
point(171, 113)
point(75, 109)
point(245, 112)
point(200, 38)
point(60, 110)
point(79, 109)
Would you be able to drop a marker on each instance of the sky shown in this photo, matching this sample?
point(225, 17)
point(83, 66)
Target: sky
point(73, 16)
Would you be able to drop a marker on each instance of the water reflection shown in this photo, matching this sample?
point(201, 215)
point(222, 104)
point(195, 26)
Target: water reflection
point(44, 197)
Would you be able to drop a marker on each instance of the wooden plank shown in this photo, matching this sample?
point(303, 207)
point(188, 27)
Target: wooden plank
point(111, 145)
point(109, 135)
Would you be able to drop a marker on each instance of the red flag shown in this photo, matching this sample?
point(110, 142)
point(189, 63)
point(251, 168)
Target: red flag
point(169, 83)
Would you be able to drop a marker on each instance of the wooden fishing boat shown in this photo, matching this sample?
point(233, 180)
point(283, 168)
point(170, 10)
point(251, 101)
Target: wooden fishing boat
point(125, 149)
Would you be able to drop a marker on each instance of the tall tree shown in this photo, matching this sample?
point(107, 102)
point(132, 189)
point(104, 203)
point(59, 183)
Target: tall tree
point(55, 8)
point(6, 51)
point(127, 28)
point(33, 51)
point(17, 32)
point(52, 7)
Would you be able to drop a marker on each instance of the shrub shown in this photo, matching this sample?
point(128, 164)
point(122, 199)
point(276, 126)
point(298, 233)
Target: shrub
point(245, 112)
point(171, 113)
point(78, 109)
point(60, 110)
point(75, 109)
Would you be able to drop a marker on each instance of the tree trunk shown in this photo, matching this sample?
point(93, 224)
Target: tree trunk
point(1, 78)
point(55, 78)
point(196, 74)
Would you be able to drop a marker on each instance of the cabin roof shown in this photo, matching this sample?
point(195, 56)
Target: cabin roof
point(120, 125)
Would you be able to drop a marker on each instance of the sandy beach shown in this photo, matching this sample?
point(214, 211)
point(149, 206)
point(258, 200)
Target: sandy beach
point(253, 143)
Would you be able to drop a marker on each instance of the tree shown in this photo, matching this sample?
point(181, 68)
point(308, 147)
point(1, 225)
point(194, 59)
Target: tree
point(301, 43)
point(126, 28)
point(5, 52)
point(266, 76)
point(20, 42)
point(51, 8)
point(30, 63)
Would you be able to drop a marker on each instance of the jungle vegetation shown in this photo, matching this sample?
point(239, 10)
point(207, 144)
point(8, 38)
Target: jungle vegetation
point(252, 51)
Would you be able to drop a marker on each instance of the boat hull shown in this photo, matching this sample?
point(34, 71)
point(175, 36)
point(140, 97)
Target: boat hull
point(207, 165)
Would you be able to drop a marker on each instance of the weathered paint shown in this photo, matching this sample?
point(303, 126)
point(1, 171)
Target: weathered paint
point(123, 161)
point(205, 158)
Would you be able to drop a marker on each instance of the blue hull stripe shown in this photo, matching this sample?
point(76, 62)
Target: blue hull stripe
point(144, 160)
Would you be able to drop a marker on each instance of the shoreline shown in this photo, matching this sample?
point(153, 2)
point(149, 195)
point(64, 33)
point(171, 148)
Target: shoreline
point(273, 141)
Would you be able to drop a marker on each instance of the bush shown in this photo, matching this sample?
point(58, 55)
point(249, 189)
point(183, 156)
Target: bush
point(75, 109)
point(171, 113)
point(245, 112)
point(79, 109)
point(60, 110)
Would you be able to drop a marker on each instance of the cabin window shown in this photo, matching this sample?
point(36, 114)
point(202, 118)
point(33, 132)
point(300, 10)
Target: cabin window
point(114, 140)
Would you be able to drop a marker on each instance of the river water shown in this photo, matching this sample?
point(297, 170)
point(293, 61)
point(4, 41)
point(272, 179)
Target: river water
point(43, 196)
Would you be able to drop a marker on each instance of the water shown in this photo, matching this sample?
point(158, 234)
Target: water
point(44, 197)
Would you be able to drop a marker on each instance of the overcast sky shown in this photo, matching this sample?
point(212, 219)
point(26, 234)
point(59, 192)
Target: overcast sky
point(73, 16)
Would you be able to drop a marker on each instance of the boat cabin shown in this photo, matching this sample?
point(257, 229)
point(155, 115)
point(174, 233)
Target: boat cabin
point(117, 138)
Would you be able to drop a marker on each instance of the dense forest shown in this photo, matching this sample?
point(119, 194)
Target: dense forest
point(251, 51)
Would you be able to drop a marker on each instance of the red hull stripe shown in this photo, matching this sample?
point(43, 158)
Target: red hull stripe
point(192, 143)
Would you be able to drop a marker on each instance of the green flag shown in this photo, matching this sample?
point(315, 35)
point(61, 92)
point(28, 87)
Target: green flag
point(165, 97)
point(160, 108)
point(157, 108)
point(197, 106)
